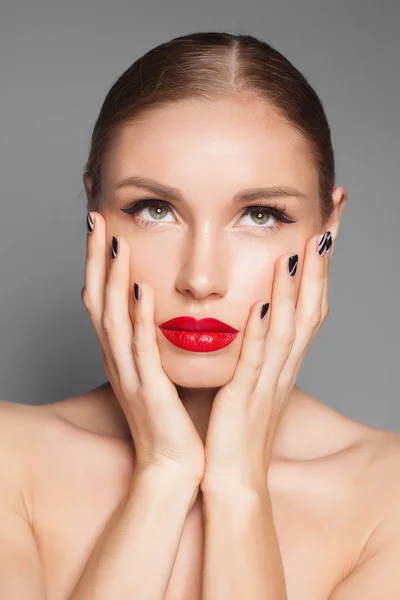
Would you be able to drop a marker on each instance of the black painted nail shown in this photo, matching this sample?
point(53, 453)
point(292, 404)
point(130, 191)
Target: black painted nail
point(90, 222)
point(324, 243)
point(114, 247)
point(293, 260)
point(136, 291)
point(264, 310)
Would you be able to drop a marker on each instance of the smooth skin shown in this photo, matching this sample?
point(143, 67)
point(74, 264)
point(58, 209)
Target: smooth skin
point(248, 410)
point(163, 432)
point(333, 481)
point(202, 256)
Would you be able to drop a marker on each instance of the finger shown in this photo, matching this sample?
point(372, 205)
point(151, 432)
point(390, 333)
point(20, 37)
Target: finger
point(308, 316)
point(92, 294)
point(145, 347)
point(309, 302)
point(281, 333)
point(325, 301)
point(116, 320)
point(251, 353)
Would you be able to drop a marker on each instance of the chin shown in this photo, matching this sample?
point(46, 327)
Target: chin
point(198, 370)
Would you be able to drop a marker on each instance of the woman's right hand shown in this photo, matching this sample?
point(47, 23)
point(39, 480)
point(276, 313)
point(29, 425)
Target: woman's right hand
point(162, 431)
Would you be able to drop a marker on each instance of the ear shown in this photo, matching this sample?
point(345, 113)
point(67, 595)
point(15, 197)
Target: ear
point(87, 182)
point(339, 197)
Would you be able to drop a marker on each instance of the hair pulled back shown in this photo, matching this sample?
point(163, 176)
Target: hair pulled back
point(209, 66)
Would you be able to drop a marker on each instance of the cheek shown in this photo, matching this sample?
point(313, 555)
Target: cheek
point(153, 263)
point(253, 267)
point(252, 284)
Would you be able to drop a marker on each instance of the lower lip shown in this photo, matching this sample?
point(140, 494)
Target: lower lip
point(199, 341)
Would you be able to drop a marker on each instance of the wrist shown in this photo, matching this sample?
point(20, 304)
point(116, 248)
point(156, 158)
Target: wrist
point(168, 476)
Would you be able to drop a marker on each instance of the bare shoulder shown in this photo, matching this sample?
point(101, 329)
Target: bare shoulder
point(380, 450)
point(374, 467)
point(37, 442)
point(385, 477)
point(23, 428)
point(14, 419)
point(13, 430)
point(389, 452)
point(375, 573)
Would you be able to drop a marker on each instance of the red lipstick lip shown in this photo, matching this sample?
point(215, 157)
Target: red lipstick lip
point(192, 324)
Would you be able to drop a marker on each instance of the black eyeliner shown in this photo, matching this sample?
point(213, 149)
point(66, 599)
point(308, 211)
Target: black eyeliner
point(139, 205)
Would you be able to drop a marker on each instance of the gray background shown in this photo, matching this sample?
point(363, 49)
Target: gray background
point(57, 62)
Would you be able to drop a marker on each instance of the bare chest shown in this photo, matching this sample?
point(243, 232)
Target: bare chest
point(81, 481)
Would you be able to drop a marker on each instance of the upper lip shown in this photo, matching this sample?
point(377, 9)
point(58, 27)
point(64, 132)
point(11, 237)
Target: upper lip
point(192, 324)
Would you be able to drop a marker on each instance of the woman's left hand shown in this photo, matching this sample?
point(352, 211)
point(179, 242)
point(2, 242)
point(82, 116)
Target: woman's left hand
point(247, 411)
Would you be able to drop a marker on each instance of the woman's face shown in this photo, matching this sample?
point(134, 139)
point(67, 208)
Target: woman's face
point(202, 254)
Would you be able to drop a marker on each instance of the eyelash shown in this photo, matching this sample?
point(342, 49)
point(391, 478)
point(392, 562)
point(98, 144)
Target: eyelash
point(277, 212)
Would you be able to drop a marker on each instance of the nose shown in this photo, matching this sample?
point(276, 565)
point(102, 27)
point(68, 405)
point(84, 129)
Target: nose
point(205, 266)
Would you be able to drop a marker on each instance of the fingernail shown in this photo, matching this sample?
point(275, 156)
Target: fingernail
point(293, 260)
point(90, 222)
point(136, 291)
point(324, 244)
point(264, 310)
point(114, 251)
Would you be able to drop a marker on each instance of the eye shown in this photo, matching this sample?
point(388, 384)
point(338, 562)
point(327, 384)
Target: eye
point(263, 215)
point(156, 210)
point(159, 208)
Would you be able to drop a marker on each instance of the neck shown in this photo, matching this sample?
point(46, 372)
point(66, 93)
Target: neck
point(198, 404)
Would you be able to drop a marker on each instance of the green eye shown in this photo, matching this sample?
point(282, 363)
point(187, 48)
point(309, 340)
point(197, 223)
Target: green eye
point(160, 205)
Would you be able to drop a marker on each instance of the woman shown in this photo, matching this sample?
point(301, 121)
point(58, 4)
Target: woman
point(200, 469)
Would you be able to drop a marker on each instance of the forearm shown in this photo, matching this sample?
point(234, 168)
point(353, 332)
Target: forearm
point(242, 557)
point(135, 554)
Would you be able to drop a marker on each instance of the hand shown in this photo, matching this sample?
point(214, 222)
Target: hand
point(247, 411)
point(162, 430)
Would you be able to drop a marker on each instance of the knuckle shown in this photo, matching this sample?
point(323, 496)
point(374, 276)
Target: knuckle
point(89, 303)
point(107, 322)
point(315, 321)
point(87, 300)
point(259, 337)
point(253, 362)
point(128, 388)
point(140, 346)
point(141, 340)
point(325, 313)
point(285, 337)
point(257, 365)
point(137, 346)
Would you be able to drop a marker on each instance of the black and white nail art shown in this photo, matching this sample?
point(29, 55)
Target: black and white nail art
point(114, 249)
point(136, 291)
point(89, 222)
point(293, 260)
point(325, 244)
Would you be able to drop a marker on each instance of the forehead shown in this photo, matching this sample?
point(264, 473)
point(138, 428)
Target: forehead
point(195, 143)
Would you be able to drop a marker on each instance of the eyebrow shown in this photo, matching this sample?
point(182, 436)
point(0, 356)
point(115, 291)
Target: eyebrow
point(174, 194)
